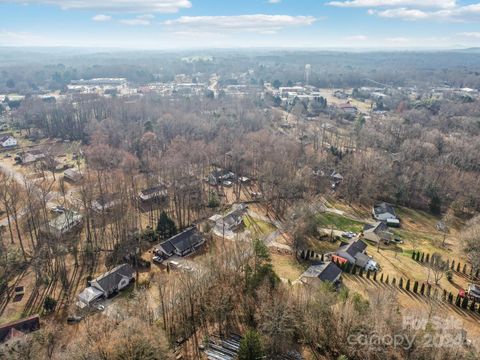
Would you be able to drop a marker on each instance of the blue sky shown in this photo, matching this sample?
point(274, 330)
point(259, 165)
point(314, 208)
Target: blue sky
point(169, 24)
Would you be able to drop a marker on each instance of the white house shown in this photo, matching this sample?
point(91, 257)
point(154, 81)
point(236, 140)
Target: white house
point(107, 284)
point(8, 141)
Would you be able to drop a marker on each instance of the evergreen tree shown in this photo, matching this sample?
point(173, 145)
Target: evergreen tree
point(166, 227)
point(387, 280)
point(400, 283)
point(427, 258)
point(49, 304)
point(465, 302)
point(422, 289)
point(381, 278)
point(407, 286)
point(464, 270)
point(444, 296)
point(458, 267)
point(450, 297)
point(453, 265)
point(394, 281)
point(375, 276)
point(472, 305)
point(250, 346)
point(422, 258)
point(458, 301)
point(415, 286)
point(429, 290)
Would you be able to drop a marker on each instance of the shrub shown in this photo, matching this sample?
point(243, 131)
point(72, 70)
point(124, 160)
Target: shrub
point(449, 275)
point(49, 304)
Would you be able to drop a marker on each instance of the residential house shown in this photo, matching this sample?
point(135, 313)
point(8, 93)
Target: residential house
point(378, 232)
point(329, 272)
point(72, 175)
point(106, 285)
point(8, 141)
point(182, 244)
point(348, 108)
point(383, 212)
point(220, 176)
point(31, 157)
point(64, 223)
point(19, 328)
point(350, 252)
point(106, 202)
point(473, 292)
point(355, 253)
point(154, 194)
point(233, 219)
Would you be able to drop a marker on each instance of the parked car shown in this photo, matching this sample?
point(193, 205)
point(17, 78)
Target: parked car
point(19, 291)
point(349, 235)
point(157, 259)
point(398, 241)
point(372, 266)
point(58, 209)
point(74, 319)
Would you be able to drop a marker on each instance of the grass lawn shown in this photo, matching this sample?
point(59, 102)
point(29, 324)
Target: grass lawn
point(338, 222)
point(287, 267)
point(258, 227)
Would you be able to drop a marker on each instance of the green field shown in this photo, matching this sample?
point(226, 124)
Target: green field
point(338, 222)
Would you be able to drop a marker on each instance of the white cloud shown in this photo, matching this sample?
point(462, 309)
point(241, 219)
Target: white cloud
point(101, 17)
point(357, 38)
point(137, 6)
point(11, 38)
point(274, 1)
point(135, 22)
point(395, 3)
point(460, 13)
point(475, 35)
point(259, 23)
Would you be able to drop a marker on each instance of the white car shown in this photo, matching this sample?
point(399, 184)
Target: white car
point(372, 266)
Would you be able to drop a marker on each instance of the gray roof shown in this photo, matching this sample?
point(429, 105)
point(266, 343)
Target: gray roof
point(353, 248)
point(325, 272)
point(384, 208)
point(109, 281)
point(376, 228)
point(186, 240)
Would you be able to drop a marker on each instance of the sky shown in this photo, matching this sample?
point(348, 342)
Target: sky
point(192, 24)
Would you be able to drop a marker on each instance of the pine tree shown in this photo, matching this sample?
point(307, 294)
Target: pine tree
point(458, 267)
point(450, 297)
point(422, 258)
point(427, 258)
point(458, 301)
point(464, 270)
point(381, 278)
point(407, 286)
point(250, 346)
point(417, 257)
point(394, 281)
point(387, 280)
point(422, 289)
point(374, 276)
point(444, 296)
point(415, 286)
point(429, 290)
point(453, 265)
point(465, 302)
point(166, 227)
point(400, 283)
point(413, 254)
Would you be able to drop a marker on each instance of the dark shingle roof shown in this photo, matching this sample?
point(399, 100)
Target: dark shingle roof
point(110, 280)
point(353, 248)
point(182, 242)
point(325, 272)
point(24, 326)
